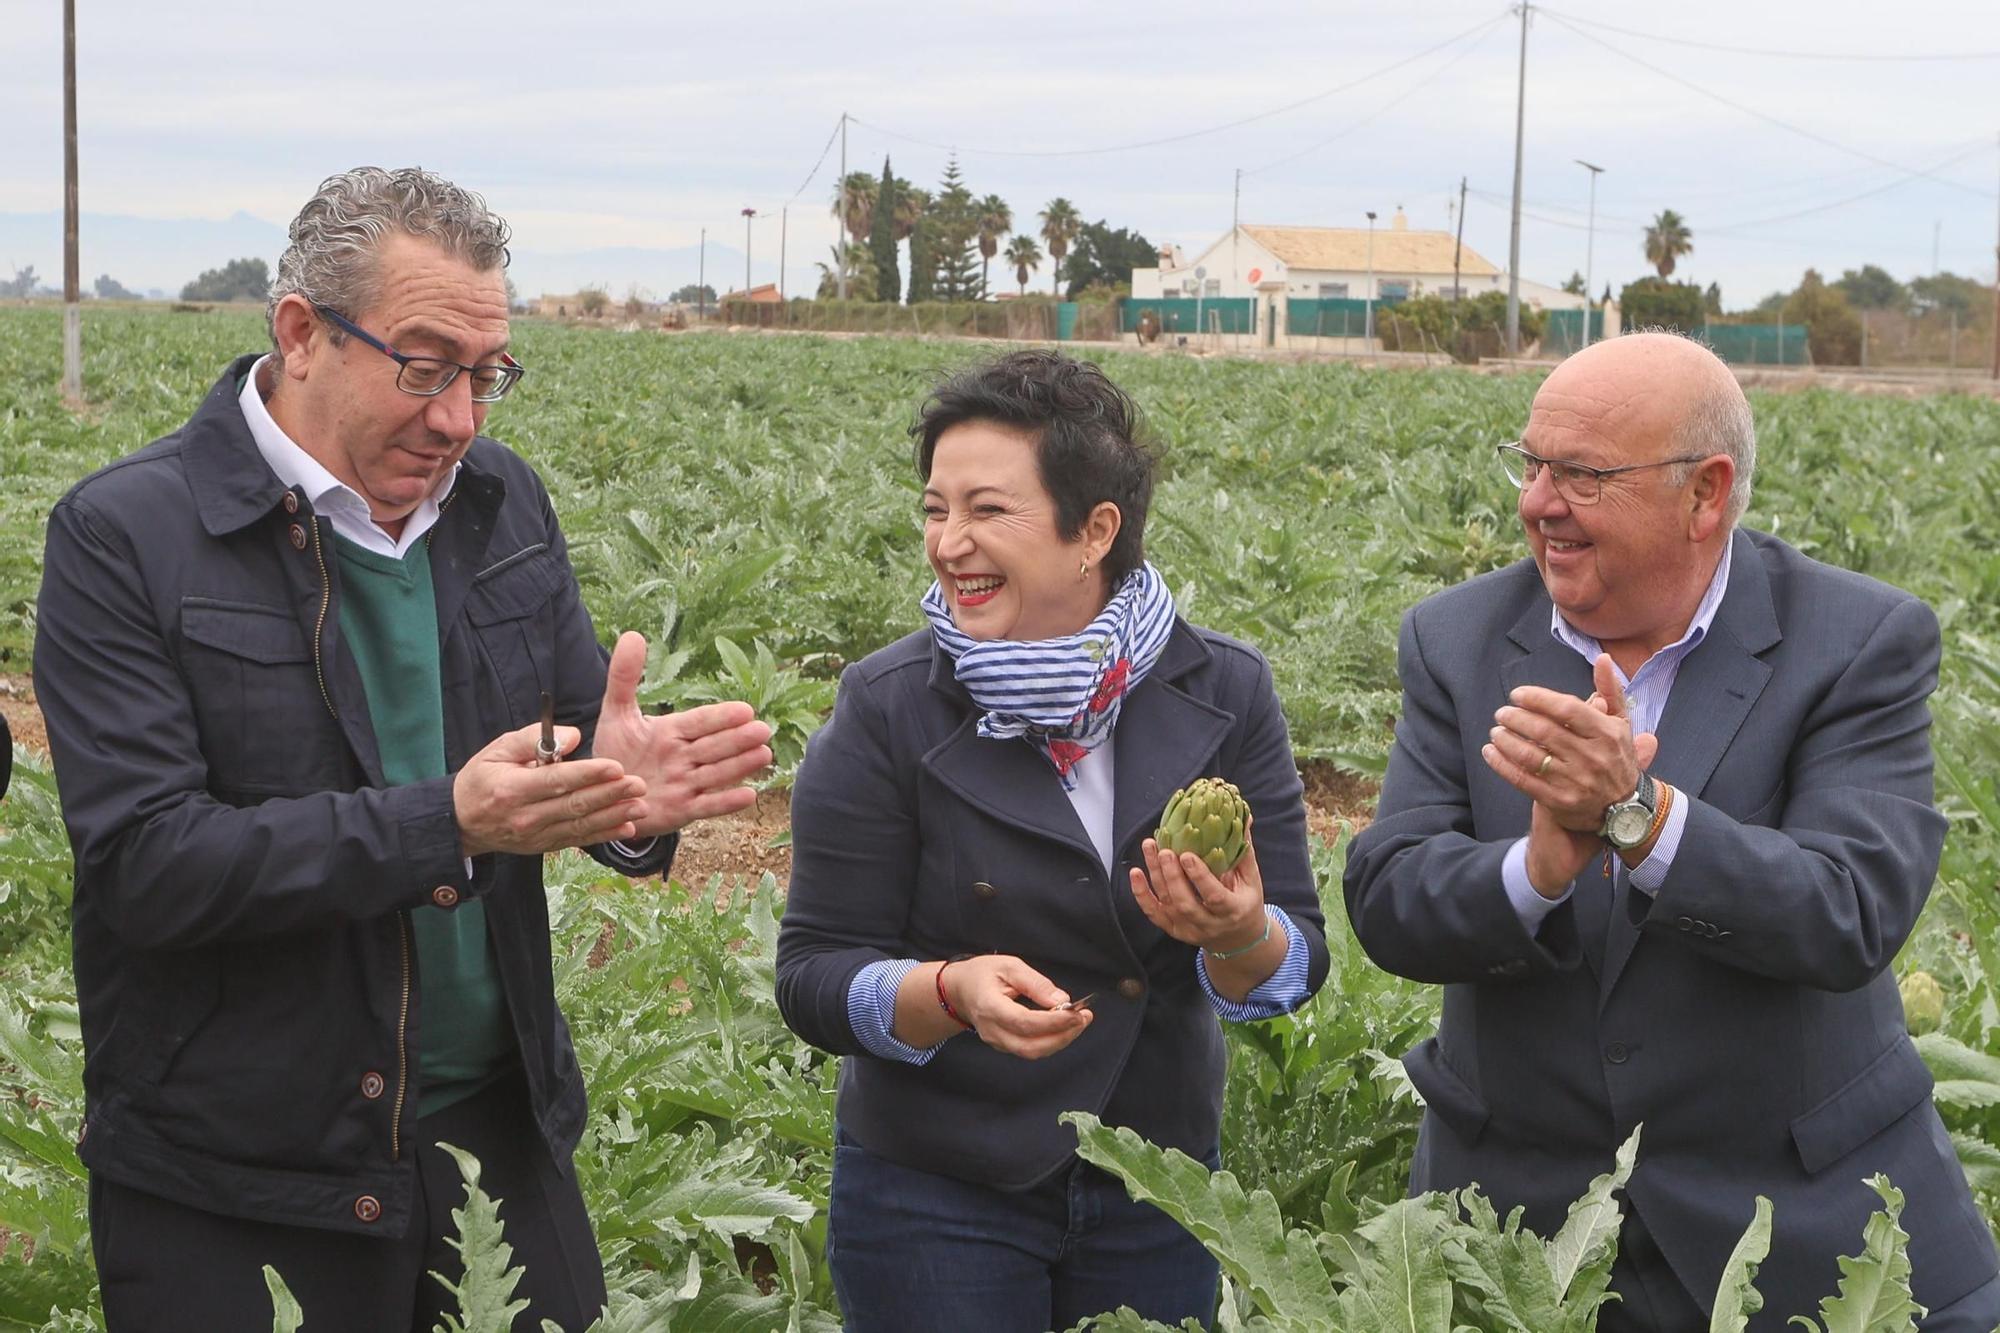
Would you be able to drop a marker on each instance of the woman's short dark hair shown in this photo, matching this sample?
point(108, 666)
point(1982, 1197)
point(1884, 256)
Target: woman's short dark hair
point(1090, 443)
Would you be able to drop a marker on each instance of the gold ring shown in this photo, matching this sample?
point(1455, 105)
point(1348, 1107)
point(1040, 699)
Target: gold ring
point(1541, 769)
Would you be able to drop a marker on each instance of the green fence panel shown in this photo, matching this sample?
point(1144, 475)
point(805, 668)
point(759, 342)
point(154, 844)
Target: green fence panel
point(1328, 317)
point(1759, 344)
point(1065, 320)
point(1562, 334)
point(1187, 316)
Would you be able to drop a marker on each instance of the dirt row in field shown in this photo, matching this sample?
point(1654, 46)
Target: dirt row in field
point(742, 845)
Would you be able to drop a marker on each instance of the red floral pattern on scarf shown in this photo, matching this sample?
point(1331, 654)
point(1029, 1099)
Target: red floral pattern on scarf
point(1112, 687)
point(1065, 755)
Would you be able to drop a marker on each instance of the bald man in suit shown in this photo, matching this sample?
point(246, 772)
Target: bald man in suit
point(1658, 817)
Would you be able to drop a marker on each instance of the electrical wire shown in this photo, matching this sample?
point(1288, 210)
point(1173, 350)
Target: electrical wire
point(1191, 134)
point(1737, 228)
point(817, 165)
point(1477, 43)
point(1765, 51)
point(1759, 115)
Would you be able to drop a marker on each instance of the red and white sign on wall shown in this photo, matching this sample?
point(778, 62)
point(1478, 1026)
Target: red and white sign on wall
point(1255, 275)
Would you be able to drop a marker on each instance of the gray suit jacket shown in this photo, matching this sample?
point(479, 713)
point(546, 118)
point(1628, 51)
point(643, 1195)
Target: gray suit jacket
point(1745, 1014)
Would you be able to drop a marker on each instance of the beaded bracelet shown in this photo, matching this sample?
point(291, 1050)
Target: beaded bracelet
point(1225, 955)
point(944, 1001)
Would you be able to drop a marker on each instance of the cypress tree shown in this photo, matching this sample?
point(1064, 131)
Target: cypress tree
point(923, 248)
point(882, 240)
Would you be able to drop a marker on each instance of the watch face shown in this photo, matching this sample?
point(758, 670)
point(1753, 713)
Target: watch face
point(1627, 824)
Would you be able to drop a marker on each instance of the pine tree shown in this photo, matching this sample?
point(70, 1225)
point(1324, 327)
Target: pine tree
point(956, 255)
point(882, 239)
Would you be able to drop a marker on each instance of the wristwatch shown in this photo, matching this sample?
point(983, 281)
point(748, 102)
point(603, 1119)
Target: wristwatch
point(1627, 822)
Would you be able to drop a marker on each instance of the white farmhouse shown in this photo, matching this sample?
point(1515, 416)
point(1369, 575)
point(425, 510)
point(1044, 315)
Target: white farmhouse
point(1274, 266)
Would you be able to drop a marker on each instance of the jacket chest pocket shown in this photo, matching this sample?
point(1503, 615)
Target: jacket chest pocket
point(511, 608)
point(264, 723)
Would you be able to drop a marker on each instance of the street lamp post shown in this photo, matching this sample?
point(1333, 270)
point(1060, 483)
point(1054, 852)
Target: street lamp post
point(1589, 245)
point(1368, 315)
point(748, 215)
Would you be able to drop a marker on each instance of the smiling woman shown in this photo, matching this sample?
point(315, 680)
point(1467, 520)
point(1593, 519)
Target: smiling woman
point(977, 919)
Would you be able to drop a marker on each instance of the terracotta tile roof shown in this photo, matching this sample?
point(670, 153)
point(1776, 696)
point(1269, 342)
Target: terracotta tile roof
point(1345, 249)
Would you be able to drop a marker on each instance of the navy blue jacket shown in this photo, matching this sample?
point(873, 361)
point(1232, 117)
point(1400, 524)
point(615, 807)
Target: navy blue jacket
point(1745, 1014)
point(250, 998)
point(913, 837)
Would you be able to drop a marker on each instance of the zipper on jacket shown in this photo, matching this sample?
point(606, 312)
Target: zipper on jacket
point(402, 1044)
point(319, 625)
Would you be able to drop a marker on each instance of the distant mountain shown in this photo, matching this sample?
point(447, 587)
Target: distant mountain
point(165, 254)
point(139, 252)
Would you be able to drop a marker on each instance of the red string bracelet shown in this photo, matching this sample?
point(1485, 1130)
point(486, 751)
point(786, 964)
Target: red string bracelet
point(944, 1002)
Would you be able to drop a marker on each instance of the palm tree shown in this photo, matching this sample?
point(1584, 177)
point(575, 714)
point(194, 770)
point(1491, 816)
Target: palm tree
point(861, 274)
point(911, 205)
point(1060, 225)
point(1026, 257)
point(858, 215)
point(994, 220)
point(1667, 240)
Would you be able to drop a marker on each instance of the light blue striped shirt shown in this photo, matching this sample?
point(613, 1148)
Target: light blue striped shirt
point(871, 997)
point(1646, 694)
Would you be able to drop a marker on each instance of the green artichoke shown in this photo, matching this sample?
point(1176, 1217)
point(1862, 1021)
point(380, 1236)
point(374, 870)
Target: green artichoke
point(1208, 818)
point(1923, 1003)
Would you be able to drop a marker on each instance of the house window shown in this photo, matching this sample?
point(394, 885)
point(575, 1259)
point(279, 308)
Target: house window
point(1393, 291)
point(1452, 293)
point(1213, 287)
point(1333, 291)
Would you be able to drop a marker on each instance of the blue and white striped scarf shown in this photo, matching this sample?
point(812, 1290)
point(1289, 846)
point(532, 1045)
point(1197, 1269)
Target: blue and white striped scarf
point(1063, 694)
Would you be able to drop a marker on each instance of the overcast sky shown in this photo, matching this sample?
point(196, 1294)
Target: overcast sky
point(638, 124)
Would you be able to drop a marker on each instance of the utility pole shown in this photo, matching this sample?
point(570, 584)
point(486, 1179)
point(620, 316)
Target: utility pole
point(72, 385)
point(782, 211)
point(1996, 302)
point(1235, 226)
point(701, 281)
point(1368, 311)
point(748, 215)
point(1514, 233)
point(839, 231)
point(1589, 245)
point(1458, 250)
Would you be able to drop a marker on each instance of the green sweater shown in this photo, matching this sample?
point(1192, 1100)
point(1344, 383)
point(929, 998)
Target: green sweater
point(388, 617)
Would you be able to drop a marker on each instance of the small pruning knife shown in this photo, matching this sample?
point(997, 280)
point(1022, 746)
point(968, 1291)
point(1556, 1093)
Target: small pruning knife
point(545, 748)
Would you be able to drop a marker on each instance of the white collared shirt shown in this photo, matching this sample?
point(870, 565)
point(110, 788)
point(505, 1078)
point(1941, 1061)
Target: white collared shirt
point(1646, 701)
point(343, 506)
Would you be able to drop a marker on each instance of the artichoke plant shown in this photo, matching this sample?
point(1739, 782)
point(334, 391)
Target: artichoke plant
point(1923, 1003)
point(1208, 817)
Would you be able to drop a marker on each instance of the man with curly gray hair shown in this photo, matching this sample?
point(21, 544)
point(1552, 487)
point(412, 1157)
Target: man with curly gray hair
point(321, 691)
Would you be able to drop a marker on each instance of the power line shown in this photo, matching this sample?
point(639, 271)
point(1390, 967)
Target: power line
point(1753, 112)
point(1191, 134)
point(1765, 51)
point(817, 165)
point(1737, 228)
point(1486, 30)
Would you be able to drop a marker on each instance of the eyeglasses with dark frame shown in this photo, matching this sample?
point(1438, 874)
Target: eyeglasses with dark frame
point(1579, 484)
point(429, 376)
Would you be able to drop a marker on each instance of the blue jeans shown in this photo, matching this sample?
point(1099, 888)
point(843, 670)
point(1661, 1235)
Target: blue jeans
point(911, 1250)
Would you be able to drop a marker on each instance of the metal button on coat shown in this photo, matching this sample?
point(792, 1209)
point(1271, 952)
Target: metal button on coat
point(444, 895)
point(298, 538)
point(291, 503)
point(1131, 988)
point(371, 1085)
point(368, 1208)
point(1617, 1053)
point(984, 892)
